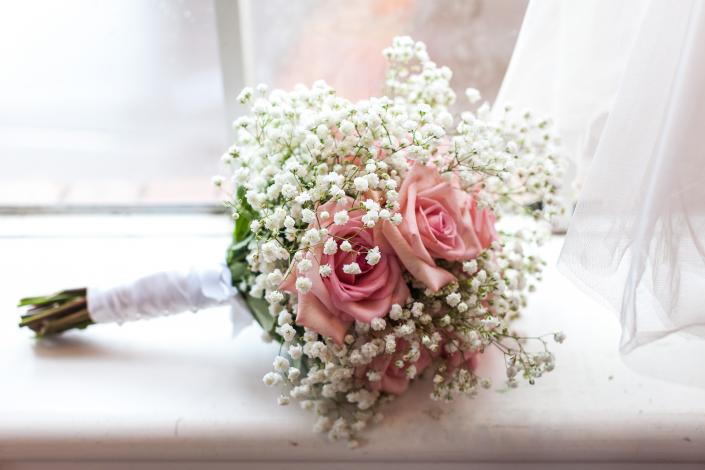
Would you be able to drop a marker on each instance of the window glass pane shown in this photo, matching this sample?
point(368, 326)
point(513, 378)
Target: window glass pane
point(109, 101)
point(341, 42)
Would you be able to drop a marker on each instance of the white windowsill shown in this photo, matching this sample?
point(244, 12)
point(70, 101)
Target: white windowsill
point(182, 388)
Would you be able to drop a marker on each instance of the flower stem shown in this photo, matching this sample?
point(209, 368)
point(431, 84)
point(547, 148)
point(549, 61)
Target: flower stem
point(55, 313)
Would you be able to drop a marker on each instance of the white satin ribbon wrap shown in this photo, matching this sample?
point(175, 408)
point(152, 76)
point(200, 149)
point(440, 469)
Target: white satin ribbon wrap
point(166, 293)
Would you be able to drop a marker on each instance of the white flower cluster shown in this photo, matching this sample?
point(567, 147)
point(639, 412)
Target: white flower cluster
point(514, 156)
point(307, 161)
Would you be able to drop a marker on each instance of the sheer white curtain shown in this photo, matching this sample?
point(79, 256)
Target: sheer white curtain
point(625, 82)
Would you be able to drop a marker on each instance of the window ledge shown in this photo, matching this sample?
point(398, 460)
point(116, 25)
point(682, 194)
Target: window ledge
point(182, 388)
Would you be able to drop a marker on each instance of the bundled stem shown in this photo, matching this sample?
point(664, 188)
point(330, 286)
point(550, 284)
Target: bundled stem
point(55, 313)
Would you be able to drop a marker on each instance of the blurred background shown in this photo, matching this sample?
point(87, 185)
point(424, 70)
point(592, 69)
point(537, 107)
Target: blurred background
point(127, 103)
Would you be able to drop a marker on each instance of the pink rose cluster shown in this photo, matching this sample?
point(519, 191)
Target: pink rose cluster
point(440, 221)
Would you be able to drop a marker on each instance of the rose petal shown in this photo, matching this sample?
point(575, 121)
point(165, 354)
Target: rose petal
point(431, 276)
point(312, 314)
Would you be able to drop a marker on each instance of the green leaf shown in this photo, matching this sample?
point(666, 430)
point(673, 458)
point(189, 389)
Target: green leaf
point(301, 364)
point(242, 228)
point(238, 270)
point(260, 311)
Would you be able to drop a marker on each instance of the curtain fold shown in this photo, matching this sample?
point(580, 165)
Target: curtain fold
point(626, 85)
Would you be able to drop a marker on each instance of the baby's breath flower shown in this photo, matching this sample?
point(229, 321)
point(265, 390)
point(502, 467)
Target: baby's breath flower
point(325, 270)
point(453, 299)
point(303, 284)
point(295, 351)
point(274, 297)
point(473, 95)
point(245, 95)
point(281, 364)
point(284, 318)
point(352, 268)
point(490, 323)
point(378, 324)
point(271, 379)
point(287, 332)
point(330, 246)
point(470, 267)
point(293, 374)
point(308, 216)
point(361, 184)
point(304, 265)
point(373, 256)
point(341, 218)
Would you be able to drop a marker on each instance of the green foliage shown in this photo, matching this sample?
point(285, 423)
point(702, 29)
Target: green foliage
point(237, 253)
point(237, 262)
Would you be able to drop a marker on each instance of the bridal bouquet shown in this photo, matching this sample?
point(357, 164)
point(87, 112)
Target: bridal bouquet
point(373, 241)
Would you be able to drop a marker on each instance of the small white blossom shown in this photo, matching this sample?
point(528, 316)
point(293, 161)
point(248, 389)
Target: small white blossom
point(287, 332)
point(271, 379)
point(361, 183)
point(490, 323)
point(281, 364)
point(245, 95)
point(284, 318)
point(352, 268)
point(330, 246)
point(453, 299)
point(395, 312)
point(411, 371)
point(311, 237)
point(293, 374)
point(341, 218)
point(347, 127)
point(325, 270)
point(346, 246)
point(304, 265)
point(217, 181)
point(303, 284)
point(374, 376)
point(470, 267)
point(308, 216)
point(473, 95)
point(378, 324)
point(373, 256)
point(283, 400)
point(274, 297)
point(289, 191)
point(295, 351)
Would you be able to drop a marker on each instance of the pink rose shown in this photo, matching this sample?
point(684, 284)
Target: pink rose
point(394, 380)
point(439, 221)
point(334, 301)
